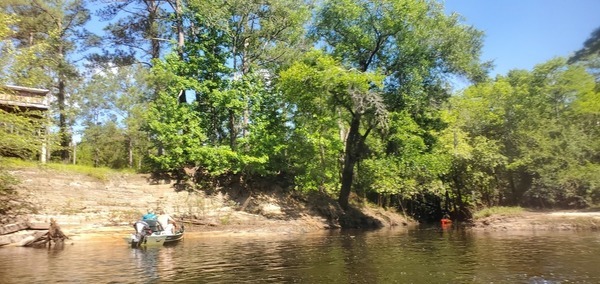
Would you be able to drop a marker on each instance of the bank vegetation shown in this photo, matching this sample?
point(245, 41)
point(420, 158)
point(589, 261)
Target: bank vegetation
point(348, 99)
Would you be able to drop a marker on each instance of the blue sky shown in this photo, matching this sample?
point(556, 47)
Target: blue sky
point(522, 33)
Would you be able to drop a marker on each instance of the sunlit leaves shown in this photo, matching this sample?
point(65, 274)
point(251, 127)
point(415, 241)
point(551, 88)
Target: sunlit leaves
point(174, 128)
point(531, 132)
point(325, 97)
point(20, 133)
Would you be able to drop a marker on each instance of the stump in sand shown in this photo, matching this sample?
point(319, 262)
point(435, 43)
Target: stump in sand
point(54, 234)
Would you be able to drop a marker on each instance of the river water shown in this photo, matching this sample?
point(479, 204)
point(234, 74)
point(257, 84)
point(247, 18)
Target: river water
point(420, 255)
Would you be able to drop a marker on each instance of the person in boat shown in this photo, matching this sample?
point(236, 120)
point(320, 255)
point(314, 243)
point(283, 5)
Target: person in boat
point(150, 215)
point(167, 222)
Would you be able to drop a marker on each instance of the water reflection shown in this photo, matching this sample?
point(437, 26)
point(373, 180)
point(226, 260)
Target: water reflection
point(425, 255)
point(146, 260)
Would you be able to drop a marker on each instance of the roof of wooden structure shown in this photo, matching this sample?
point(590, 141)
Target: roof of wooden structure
point(24, 97)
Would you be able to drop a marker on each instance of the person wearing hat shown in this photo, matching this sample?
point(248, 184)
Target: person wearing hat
point(150, 215)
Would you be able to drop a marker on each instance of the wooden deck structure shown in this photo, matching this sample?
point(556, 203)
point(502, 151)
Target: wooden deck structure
point(20, 99)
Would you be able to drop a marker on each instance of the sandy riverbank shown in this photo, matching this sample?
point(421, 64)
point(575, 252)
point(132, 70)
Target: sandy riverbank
point(524, 222)
point(541, 220)
point(86, 207)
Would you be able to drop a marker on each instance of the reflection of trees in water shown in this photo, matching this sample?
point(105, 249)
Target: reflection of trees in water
point(415, 256)
point(167, 263)
point(326, 259)
point(331, 258)
point(257, 257)
point(146, 260)
point(273, 259)
point(359, 267)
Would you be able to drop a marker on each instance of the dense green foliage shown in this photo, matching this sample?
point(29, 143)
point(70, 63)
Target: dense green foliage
point(335, 96)
point(536, 136)
point(19, 134)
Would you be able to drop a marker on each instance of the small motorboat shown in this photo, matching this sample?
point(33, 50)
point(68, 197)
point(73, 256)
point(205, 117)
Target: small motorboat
point(147, 241)
point(158, 230)
point(154, 235)
point(174, 237)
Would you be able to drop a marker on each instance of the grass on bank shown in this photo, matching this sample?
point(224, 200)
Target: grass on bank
point(99, 173)
point(498, 210)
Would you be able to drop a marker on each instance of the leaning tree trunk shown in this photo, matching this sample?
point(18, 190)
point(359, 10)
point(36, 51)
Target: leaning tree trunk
point(350, 159)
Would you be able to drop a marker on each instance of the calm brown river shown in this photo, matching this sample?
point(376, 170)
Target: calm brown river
point(427, 255)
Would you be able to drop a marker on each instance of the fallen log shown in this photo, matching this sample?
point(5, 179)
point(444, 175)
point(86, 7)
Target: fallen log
point(199, 222)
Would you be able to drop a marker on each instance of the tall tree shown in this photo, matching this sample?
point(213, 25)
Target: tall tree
point(413, 42)
point(323, 94)
point(130, 107)
point(231, 51)
point(6, 20)
point(58, 24)
point(19, 126)
point(173, 127)
point(591, 47)
point(254, 37)
point(115, 97)
point(137, 35)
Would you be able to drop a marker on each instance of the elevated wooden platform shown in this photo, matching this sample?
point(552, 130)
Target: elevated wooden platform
point(23, 98)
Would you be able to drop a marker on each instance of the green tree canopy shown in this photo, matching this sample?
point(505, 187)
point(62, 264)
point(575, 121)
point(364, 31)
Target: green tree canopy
point(538, 126)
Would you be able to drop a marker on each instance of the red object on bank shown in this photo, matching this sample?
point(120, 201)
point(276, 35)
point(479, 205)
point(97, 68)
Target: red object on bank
point(446, 221)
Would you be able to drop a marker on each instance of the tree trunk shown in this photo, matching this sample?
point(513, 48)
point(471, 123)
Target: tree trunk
point(513, 188)
point(180, 35)
point(96, 157)
point(153, 33)
point(232, 130)
point(350, 159)
point(130, 152)
point(65, 138)
point(323, 167)
point(180, 41)
point(245, 70)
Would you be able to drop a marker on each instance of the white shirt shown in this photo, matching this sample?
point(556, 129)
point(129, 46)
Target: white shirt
point(163, 219)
